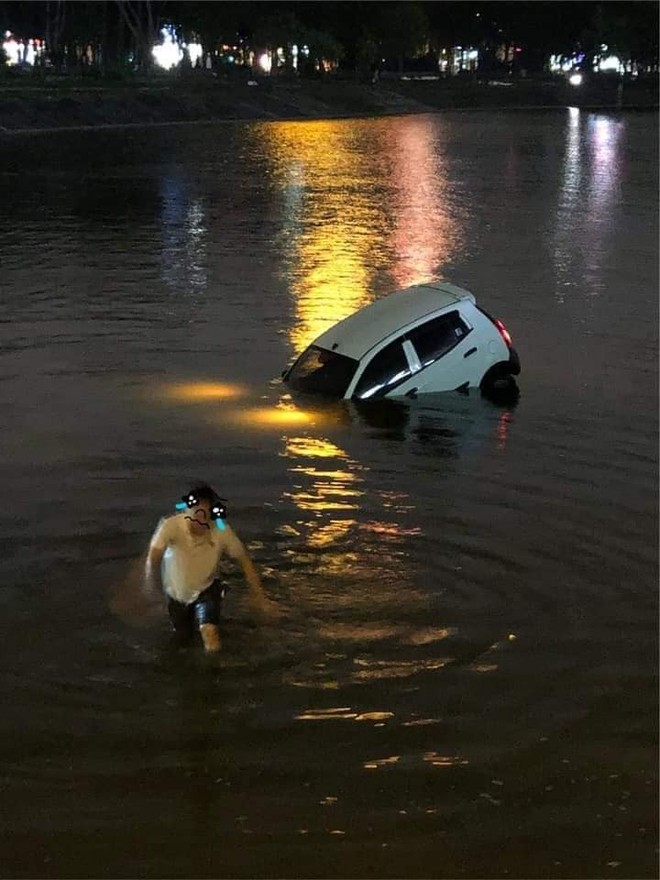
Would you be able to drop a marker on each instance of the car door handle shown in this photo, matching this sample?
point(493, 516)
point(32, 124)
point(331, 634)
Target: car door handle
point(468, 353)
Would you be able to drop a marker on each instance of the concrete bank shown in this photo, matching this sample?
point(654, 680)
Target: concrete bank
point(29, 105)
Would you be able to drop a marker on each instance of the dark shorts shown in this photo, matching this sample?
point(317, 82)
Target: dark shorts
point(205, 609)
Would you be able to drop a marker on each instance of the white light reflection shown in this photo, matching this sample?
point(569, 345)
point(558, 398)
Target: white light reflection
point(584, 220)
point(603, 133)
point(570, 210)
point(184, 239)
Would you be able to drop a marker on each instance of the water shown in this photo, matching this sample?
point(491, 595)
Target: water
point(464, 681)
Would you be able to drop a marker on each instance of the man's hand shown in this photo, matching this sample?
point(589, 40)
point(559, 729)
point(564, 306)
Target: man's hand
point(264, 607)
point(132, 602)
point(259, 602)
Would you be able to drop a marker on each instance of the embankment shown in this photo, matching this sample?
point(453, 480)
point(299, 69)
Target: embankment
point(28, 103)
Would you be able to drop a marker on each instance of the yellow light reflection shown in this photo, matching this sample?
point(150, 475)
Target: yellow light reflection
point(331, 491)
point(201, 392)
point(375, 716)
point(332, 220)
point(342, 713)
point(280, 416)
point(328, 488)
point(373, 670)
point(359, 633)
point(436, 760)
point(351, 195)
point(322, 501)
point(382, 762)
point(312, 447)
point(329, 534)
point(428, 635)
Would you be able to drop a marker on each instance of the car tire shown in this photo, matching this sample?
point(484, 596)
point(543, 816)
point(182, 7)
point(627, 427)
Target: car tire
point(498, 385)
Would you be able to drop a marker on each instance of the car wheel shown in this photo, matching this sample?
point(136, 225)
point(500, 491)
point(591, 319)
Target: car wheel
point(499, 386)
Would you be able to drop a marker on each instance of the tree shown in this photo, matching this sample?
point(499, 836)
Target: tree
point(141, 17)
point(55, 20)
point(630, 33)
point(322, 47)
point(210, 23)
point(402, 31)
point(279, 30)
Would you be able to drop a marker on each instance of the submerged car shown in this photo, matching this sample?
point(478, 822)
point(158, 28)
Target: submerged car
point(426, 338)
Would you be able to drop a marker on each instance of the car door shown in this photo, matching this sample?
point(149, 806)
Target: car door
point(387, 373)
point(446, 351)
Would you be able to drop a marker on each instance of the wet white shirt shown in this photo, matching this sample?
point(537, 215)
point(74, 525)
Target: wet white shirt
point(190, 563)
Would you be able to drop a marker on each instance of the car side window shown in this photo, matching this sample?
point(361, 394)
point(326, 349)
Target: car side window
point(438, 336)
point(387, 369)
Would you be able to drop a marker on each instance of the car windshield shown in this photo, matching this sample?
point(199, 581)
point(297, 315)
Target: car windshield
point(319, 371)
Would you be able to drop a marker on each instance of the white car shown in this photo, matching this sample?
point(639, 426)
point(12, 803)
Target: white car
point(427, 338)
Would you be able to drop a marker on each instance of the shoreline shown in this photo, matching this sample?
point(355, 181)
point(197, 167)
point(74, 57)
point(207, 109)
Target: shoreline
point(74, 105)
point(118, 126)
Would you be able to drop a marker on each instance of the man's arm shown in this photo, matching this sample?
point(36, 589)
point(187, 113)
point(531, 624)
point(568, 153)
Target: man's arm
point(160, 541)
point(234, 547)
point(256, 595)
point(152, 579)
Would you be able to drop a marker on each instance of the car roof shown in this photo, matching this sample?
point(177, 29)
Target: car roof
point(357, 334)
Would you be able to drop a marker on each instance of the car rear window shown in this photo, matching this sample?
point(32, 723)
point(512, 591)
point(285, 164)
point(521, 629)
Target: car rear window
point(320, 371)
point(438, 336)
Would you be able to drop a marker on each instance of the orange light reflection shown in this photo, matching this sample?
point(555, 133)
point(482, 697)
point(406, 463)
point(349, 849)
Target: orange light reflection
point(201, 392)
point(426, 234)
point(279, 416)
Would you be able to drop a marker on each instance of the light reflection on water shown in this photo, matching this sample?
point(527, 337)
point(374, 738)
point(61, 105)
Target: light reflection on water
point(426, 229)
point(330, 241)
point(587, 202)
point(386, 201)
point(184, 233)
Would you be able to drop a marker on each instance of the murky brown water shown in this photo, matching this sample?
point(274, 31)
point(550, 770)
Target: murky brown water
point(464, 684)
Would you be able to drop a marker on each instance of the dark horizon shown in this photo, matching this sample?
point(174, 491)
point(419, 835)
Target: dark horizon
point(540, 26)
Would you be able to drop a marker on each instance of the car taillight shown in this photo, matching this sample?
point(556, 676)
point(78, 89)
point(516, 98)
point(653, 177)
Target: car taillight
point(504, 333)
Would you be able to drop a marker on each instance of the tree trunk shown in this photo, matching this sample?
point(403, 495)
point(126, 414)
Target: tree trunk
point(55, 14)
point(142, 31)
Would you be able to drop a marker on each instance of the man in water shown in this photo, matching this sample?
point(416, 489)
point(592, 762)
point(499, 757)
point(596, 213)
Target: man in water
point(183, 561)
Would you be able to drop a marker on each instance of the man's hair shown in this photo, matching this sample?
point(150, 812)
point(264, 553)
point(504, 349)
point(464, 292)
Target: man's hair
point(204, 492)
